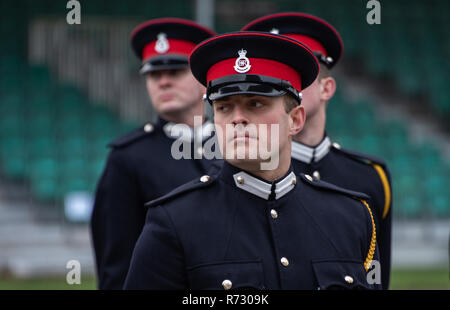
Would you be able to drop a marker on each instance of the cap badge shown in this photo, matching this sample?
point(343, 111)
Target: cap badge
point(162, 45)
point(275, 30)
point(242, 63)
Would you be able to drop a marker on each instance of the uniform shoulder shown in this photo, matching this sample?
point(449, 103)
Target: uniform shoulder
point(364, 158)
point(198, 183)
point(322, 185)
point(132, 136)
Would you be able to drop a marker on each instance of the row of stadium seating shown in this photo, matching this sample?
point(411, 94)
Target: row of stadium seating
point(419, 173)
point(52, 136)
point(411, 45)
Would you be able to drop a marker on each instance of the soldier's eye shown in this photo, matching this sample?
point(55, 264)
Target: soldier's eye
point(221, 108)
point(256, 104)
point(155, 75)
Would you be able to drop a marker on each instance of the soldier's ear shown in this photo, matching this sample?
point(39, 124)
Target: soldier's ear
point(327, 88)
point(296, 120)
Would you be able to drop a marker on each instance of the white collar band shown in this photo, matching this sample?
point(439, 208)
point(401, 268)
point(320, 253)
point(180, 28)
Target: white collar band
point(186, 133)
point(308, 154)
point(263, 189)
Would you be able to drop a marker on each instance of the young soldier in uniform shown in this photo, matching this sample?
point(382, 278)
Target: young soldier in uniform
point(312, 151)
point(254, 224)
point(140, 165)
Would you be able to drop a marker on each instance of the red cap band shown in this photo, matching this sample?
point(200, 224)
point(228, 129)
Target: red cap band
point(259, 66)
point(313, 44)
point(181, 47)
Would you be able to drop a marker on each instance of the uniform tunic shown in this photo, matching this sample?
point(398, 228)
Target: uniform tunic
point(234, 230)
point(355, 171)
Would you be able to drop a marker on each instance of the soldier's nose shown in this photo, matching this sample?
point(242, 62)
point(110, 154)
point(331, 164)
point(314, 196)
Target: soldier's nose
point(239, 118)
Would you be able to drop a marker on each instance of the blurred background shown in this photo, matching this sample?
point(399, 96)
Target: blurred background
point(68, 90)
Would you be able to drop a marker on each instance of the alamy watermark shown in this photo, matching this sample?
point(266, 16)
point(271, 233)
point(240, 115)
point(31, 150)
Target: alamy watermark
point(74, 15)
point(374, 15)
point(234, 142)
point(374, 273)
point(74, 274)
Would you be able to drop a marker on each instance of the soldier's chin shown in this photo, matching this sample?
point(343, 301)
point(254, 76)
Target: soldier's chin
point(246, 163)
point(170, 107)
point(242, 154)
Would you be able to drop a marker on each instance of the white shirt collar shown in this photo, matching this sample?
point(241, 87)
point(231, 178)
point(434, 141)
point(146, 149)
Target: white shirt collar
point(263, 189)
point(186, 133)
point(308, 154)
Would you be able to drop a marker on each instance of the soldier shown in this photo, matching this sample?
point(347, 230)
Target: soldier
point(140, 166)
point(251, 225)
point(312, 151)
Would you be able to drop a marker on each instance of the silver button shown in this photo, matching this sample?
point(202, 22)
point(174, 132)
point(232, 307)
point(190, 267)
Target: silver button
point(273, 213)
point(227, 284)
point(148, 128)
point(284, 261)
point(316, 175)
point(240, 180)
point(330, 59)
point(336, 145)
point(308, 177)
point(200, 150)
point(348, 279)
point(204, 178)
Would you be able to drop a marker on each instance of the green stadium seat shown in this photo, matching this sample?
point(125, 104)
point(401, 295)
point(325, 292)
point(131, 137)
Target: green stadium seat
point(45, 189)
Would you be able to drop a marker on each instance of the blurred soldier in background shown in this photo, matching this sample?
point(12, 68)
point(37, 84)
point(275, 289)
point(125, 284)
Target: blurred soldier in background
point(140, 166)
point(312, 151)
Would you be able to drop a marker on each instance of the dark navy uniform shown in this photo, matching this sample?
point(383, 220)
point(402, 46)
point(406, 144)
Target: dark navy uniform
point(344, 168)
point(141, 166)
point(234, 230)
point(355, 171)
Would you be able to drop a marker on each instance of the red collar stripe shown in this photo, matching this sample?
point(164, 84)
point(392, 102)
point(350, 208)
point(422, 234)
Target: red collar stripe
point(176, 46)
point(312, 43)
point(259, 66)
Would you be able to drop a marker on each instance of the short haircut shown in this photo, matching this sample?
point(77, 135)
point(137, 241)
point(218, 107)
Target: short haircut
point(324, 72)
point(289, 103)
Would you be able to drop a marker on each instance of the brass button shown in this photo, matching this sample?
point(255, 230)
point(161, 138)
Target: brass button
point(316, 175)
point(294, 181)
point(273, 213)
point(308, 177)
point(284, 261)
point(336, 145)
point(348, 279)
point(148, 128)
point(204, 178)
point(240, 180)
point(227, 284)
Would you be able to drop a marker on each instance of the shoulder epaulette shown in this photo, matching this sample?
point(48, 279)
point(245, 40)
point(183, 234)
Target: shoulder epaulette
point(359, 156)
point(132, 136)
point(331, 187)
point(201, 182)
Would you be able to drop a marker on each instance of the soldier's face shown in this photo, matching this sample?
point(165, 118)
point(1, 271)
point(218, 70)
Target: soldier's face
point(254, 129)
point(174, 91)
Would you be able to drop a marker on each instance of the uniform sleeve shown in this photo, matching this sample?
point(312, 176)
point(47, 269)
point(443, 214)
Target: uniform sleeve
point(371, 250)
point(116, 222)
point(158, 261)
point(384, 237)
